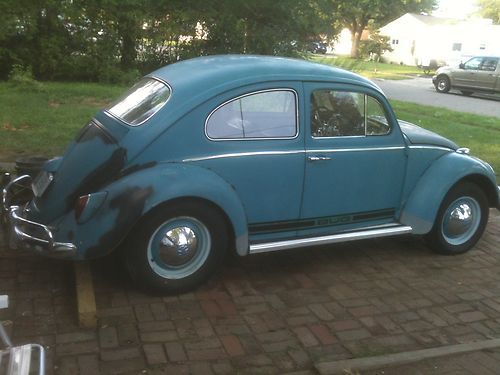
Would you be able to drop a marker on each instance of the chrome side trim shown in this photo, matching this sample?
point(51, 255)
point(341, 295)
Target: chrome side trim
point(297, 124)
point(242, 154)
point(388, 148)
point(262, 153)
point(432, 148)
point(325, 240)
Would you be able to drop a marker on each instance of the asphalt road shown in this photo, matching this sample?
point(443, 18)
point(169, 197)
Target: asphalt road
point(421, 91)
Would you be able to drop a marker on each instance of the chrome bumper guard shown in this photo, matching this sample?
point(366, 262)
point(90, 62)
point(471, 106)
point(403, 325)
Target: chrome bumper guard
point(19, 360)
point(30, 234)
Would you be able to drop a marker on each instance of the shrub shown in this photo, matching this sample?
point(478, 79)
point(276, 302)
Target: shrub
point(374, 47)
point(23, 77)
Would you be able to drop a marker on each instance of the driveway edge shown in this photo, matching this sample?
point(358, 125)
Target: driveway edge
point(375, 362)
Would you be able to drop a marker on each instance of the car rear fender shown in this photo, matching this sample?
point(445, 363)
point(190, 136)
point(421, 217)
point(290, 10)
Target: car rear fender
point(420, 209)
point(135, 195)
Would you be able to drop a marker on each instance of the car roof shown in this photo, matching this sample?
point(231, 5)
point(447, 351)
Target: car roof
point(228, 71)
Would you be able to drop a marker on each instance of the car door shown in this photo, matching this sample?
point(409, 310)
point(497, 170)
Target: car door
point(487, 75)
point(468, 76)
point(355, 160)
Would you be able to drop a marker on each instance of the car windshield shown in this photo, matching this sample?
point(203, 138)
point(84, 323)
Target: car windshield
point(141, 102)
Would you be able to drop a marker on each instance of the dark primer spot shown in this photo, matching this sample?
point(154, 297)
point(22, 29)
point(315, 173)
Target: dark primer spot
point(99, 177)
point(136, 168)
point(130, 205)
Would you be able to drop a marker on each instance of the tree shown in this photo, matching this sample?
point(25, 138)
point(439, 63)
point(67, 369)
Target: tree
point(110, 40)
point(356, 15)
point(375, 46)
point(264, 27)
point(490, 9)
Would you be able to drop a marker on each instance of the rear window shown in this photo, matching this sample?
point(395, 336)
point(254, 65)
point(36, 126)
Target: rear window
point(141, 102)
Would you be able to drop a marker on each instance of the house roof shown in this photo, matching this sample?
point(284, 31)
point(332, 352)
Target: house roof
point(433, 21)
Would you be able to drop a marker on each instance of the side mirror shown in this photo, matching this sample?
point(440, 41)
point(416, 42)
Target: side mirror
point(462, 66)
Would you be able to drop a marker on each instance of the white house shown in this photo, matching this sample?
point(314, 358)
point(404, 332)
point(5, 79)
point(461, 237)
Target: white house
point(417, 38)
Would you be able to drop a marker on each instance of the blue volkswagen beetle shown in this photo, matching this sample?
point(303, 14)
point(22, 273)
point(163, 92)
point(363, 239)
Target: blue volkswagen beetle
point(247, 154)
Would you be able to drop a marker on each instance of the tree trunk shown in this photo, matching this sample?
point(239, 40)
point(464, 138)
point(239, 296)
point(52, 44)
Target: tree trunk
point(128, 33)
point(356, 37)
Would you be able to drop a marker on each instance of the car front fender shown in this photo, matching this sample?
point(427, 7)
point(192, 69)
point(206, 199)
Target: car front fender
point(420, 209)
point(134, 195)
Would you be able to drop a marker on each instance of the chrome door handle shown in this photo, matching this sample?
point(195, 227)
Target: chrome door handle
point(318, 158)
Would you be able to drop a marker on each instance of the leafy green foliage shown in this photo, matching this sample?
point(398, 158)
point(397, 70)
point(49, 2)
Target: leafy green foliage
point(374, 47)
point(111, 40)
point(490, 9)
point(23, 77)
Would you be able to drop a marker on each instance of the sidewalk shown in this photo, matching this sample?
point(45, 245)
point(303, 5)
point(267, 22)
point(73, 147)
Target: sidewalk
point(271, 313)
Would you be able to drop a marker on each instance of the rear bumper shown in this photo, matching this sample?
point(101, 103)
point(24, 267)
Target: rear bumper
point(498, 200)
point(29, 234)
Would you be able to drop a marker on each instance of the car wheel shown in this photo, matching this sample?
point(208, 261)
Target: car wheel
point(442, 84)
point(176, 248)
point(461, 220)
point(466, 93)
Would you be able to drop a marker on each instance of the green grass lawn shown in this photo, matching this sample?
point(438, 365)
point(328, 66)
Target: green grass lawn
point(43, 121)
point(369, 69)
point(479, 133)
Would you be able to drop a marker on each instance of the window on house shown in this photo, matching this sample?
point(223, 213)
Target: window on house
point(482, 46)
point(456, 47)
point(395, 41)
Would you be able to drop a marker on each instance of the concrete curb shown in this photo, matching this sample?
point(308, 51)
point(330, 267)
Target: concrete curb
point(376, 362)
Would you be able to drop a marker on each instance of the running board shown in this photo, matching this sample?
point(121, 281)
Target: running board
point(325, 240)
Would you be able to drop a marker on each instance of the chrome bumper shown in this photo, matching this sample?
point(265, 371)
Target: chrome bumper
point(29, 234)
point(498, 206)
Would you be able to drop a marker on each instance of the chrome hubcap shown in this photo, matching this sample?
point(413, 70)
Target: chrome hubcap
point(442, 84)
point(179, 247)
point(461, 220)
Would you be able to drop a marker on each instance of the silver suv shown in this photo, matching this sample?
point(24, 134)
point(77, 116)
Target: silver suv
point(479, 74)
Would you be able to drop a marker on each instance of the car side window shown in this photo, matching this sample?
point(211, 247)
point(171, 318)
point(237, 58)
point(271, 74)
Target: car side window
point(344, 114)
point(489, 64)
point(376, 120)
point(473, 64)
point(337, 113)
point(264, 114)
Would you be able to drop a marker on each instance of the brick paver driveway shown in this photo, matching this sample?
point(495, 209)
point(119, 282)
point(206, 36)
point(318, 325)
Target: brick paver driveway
point(272, 313)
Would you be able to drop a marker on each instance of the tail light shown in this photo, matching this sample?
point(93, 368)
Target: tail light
point(80, 205)
point(87, 205)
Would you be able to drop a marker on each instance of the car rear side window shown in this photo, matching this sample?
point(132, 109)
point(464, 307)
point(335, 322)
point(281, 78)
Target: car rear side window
point(259, 115)
point(141, 102)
